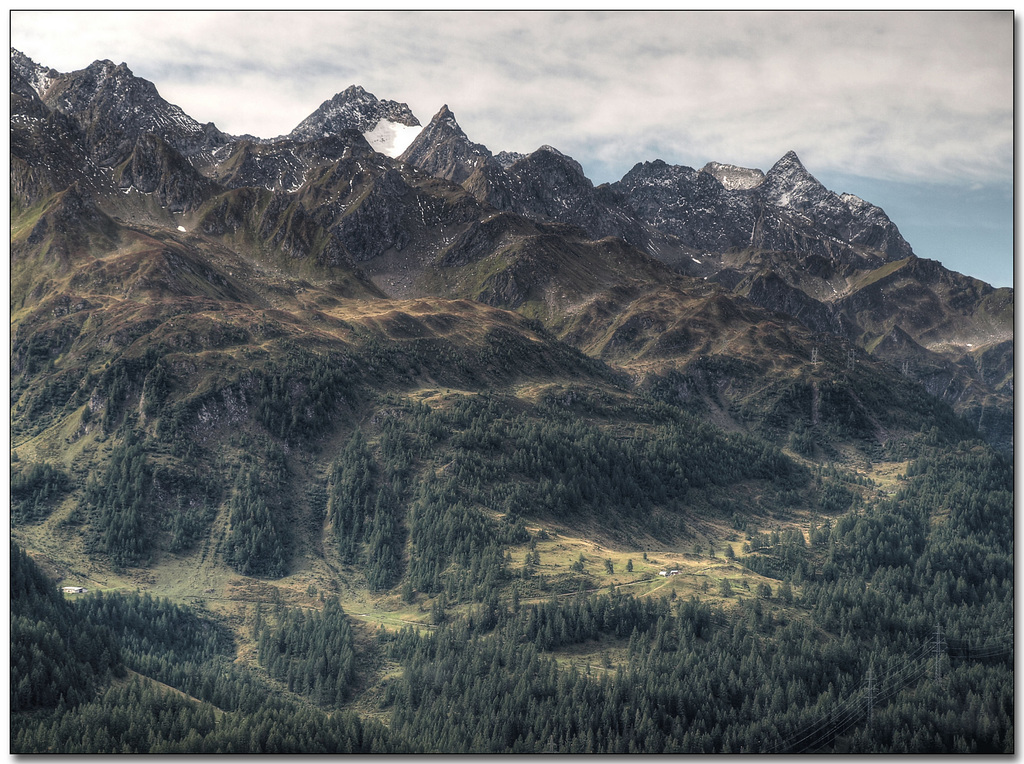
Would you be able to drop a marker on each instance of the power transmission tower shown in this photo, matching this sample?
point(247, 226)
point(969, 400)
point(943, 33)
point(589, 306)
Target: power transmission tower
point(833, 725)
point(937, 652)
point(871, 695)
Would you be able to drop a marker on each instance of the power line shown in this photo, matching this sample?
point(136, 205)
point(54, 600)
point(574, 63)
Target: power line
point(994, 647)
point(938, 653)
point(871, 696)
point(850, 711)
point(878, 689)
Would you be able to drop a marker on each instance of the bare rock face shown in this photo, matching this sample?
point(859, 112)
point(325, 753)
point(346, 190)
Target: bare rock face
point(794, 192)
point(388, 125)
point(524, 228)
point(718, 208)
point(784, 210)
point(690, 205)
point(24, 69)
point(734, 178)
point(545, 185)
point(871, 227)
point(769, 290)
point(285, 165)
point(377, 224)
point(548, 185)
point(114, 108)
point(155, 168)
point(47, 148)
point(443, 150)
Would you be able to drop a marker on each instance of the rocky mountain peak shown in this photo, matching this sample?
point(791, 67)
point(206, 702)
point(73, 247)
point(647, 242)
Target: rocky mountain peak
point(796, 193)
point(115, 108)
point(506, 159)
point(392, 124)
point(854, 202)
point(788, 184)
point(445, 126)
point(106, 76)
point(39, 77)
point(788, 164)
point(552, 157)
point(734, 178)
point(443, 149)
point(550, 149)
point(353, 92)
point(657, 172)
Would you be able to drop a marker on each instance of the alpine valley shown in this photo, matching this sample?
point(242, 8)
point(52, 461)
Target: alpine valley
point(367, 439)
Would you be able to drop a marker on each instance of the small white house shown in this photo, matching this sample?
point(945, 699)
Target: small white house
point(75, 590)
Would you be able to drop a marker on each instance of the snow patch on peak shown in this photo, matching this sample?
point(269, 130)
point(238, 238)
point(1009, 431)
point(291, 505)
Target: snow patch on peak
point(391, 138)
point(355, 109)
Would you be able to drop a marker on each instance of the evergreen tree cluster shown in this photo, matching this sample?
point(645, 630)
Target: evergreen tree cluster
point(63, 699)
point(695, 679)
point(880, 585)
point(350, 492)
point(159, 638)
point(35, 490)
point(297, 397)
point(364, 511)
point(58, 657)
point(120, 502)
point(941, 549)
point(524, 466)
point(547, 466)
point(256, 544)
point(384, 540)
point(140, 717)
point(455, 547)
point(891, 631)
point(311, 652)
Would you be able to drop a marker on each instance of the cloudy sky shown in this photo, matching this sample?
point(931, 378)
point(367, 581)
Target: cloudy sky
point(912, 111)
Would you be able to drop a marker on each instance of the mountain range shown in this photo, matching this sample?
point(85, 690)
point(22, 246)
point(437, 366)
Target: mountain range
point(372, 358)
point(831, 262)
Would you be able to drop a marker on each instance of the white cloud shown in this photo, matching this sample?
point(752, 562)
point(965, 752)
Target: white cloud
point(880, 94)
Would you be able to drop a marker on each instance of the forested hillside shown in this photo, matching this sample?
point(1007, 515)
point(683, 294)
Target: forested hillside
point(889, 630)
point(459, 453)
